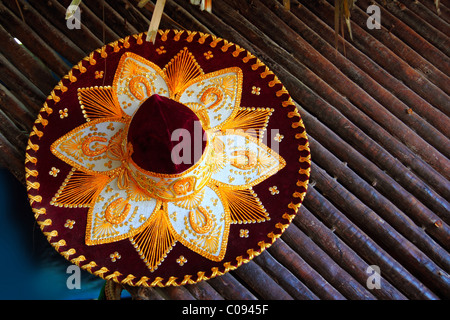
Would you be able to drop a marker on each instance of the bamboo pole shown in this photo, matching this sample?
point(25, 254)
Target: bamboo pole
point(15, 110)
point(12, 133)
point(130, 14)
point(143, 293)
point(365, 81)
point(444, 11)
point(55, 13)
point(20, 30)
point(354, 236)
point(387, 186)
point(113, 19)
point(418, 105)
point(312, 102)
point(31, 67)
point(11, 158)
point(329, 269)
point(384, 208)
point(260, 282)
point(353, 260)
point(422, 27)
point(203, 291)
point(412, 47)
point(176, 293)
point(428, 15)
point(166, 21)
point(284, 277)
point(94, 23)
point(179, 17)
point(384, 57)
point(20, 86)
point(303, 271)
point(399, 247)
point(45, 30)
point(230, 289)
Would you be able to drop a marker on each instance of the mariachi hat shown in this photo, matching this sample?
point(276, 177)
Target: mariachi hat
point(167, 163)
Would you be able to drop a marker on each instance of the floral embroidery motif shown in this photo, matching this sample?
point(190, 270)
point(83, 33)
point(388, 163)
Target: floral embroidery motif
point(161, 50)
point(63, 113)
point(69, 224)
point(278, 137)
point(256, 90)
point(243, 233)
point(274, 190)
point(208, 55)
point(154, 211)
point(181, 261)
point(53, 172)
point(98, 74)
point(115, 256)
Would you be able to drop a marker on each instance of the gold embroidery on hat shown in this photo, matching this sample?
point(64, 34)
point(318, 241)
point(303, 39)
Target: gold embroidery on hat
point(86, 146)
point(200, 220)
point(244, 206)
point(136, 89)
point(192, 201)
point(117, 211)
point(155, 241)
point(252, 120)
point(184, 186)
point(180, 70)
point(211, 97)
point(79, 189)
point(99, 102)
point(243, 159)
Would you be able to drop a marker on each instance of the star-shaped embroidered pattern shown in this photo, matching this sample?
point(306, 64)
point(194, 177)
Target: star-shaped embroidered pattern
point(155, 211)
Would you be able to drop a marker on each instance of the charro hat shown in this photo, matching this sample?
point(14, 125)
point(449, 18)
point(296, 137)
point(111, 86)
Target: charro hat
point(167, 163)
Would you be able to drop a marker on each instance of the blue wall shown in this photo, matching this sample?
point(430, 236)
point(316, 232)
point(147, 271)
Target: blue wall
point(29, 267)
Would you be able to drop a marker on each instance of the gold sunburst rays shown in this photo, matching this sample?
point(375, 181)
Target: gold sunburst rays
point(251, 120)
point(79, 189)
point(99, 102)
point(155, 241)
point(244, 205)
point(180, 70)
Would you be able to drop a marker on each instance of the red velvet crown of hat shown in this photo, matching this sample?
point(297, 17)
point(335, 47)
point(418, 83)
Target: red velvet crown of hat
point(153, 135)
point(100, 169)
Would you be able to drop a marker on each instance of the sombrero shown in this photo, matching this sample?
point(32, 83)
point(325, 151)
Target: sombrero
point(168, 163)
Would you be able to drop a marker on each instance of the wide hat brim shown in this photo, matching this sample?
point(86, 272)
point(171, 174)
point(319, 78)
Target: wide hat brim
point(92, 206)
